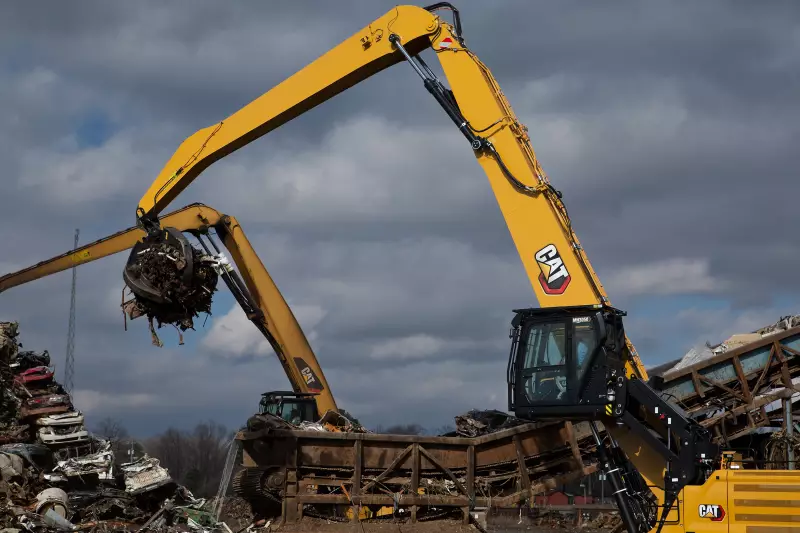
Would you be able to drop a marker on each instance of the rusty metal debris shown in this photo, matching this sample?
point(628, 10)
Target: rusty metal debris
point(144, 474)
point(735, 387)
point(169, 287)
point(475, 423)
point(335, 474)
point(779, 445)
point(62, 478)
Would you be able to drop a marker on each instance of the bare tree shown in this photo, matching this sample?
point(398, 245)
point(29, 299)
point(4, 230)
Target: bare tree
point(209, 446)
point(111, 429)
point(194, 459)
point(172, 450)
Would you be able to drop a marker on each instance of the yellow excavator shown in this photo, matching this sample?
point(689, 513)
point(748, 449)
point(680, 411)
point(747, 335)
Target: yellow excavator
point(571, 358)
point(255, 291)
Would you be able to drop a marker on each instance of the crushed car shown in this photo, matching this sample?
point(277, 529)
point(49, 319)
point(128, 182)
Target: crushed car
point(99, 463)
point(144, 474)
point(62, 428)
point(45, 405)
point(29, 359)
point(38, 375)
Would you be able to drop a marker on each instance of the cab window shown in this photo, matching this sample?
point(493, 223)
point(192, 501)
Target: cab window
point(545, 345)
point(544, 376)
point(585, 339)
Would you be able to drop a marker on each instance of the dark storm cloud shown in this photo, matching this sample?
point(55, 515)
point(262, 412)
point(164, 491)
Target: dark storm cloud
point(670, 128)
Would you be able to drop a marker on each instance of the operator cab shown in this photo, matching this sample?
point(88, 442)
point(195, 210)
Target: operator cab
point(293, 407)
point(561, 360)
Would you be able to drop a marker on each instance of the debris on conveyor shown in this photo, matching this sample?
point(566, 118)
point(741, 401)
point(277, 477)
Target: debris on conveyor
point(779, 445)
point(330, 421)
point(610, 521)
point(475, 423)
point(56, 476)
point(163, 270)
point(735, 388)
point(785, 322)
point(700, 353)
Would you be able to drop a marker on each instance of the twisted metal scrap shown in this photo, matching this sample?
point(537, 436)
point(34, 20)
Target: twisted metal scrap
point(162, 267)
point(778, 446)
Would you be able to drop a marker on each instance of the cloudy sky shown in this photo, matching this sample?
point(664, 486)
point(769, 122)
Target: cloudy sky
point(671, 128)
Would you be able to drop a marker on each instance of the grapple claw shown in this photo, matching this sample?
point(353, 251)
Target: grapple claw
point(166, 241)
point(171, 280)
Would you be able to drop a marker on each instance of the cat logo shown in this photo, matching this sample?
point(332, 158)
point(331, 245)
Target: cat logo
point(554, 277)
point(311, 379)
point(715, 512)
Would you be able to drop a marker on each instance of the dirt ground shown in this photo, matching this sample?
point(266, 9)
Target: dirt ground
point(309, 525)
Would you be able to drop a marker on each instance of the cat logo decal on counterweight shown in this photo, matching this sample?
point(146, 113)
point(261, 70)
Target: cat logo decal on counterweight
point(715, 512)
point(554, 277)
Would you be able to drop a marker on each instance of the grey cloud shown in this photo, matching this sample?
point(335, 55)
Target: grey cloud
point(670, 128)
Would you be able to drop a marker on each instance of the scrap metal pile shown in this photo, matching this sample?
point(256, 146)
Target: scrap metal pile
point(492, 460)
point(544, 517)
point(172, 283)
point(735, 387)
point(475, 423)
point(55, 475)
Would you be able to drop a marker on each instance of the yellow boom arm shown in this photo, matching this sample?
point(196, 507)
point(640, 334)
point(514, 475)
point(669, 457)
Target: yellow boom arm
point(552, 256)
point(264, 304)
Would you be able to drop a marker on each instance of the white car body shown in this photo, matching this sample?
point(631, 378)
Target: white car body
point(144, 474)
point(99, 463)
point(62, 428)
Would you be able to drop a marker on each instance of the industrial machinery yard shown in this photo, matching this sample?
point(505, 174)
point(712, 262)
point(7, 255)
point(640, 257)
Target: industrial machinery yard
point(704, 443)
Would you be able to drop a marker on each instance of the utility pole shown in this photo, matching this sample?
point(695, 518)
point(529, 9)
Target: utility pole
point(69, 367)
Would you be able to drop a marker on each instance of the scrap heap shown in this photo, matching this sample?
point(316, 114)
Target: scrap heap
point(172, 283)
point(55, 475)
point(736, 387)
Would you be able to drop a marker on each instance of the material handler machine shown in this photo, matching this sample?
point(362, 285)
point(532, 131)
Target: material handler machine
point(570, 358)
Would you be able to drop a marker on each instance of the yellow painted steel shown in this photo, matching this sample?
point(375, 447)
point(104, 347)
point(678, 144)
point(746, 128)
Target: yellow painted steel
point(535, 215)
point(285, 334)
point(537, 221)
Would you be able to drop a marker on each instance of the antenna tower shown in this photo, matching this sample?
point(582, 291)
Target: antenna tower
point(69, 367)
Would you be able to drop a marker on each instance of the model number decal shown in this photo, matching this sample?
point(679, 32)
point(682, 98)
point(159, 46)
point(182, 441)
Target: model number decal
point(554, 277)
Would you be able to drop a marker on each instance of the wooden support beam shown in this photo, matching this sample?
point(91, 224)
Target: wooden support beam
point(723, 387)
point(573, 443)
point(471, 473)
point(415, 466)
point(400, 458)
point(778, 351)
point(737, 365)
point(765, 370)
point(404, 500)
point(790, 350)
point(358, 451)
point(292, 508)
point(697, 386)
point(444, 469)
point(523, 470)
